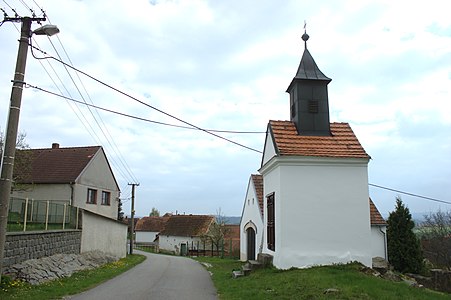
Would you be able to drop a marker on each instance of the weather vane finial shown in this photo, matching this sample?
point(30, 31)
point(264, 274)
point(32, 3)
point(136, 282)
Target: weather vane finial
point(305, 35)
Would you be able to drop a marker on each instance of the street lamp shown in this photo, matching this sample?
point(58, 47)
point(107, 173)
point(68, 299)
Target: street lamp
point(6, 176)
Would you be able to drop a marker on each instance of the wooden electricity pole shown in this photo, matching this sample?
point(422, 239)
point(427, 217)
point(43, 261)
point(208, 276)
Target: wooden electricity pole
point(132, 225)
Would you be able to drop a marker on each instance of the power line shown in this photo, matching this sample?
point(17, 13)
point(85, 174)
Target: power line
point(122, 165)
point(144, 103)
point(407, 193)
point(135, 117)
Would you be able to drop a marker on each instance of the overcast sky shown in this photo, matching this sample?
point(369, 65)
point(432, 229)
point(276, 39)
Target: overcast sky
point(225, 65)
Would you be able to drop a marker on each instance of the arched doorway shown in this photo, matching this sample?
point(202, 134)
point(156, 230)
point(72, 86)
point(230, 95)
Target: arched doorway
point(250, 243)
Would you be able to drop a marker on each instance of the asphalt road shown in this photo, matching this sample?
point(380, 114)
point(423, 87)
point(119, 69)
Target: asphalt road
point(158, 277)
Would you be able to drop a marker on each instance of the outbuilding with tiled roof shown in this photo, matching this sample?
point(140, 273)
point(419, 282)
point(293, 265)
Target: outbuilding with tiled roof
point(147, 228)
point(183, 232)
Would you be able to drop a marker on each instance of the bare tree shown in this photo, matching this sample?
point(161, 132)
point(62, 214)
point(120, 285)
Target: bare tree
point(217, 231)
point(435, 234)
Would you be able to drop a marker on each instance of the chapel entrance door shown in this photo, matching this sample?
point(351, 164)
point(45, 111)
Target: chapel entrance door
point(250, 244)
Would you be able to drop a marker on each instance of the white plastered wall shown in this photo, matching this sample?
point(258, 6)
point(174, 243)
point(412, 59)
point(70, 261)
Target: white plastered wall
point(173, 243)
point(322, 211)
point(379, 241)
point(251, 217)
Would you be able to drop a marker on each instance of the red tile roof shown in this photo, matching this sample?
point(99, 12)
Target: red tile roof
point(55, 165)
point(187, 225)
point(375, 216)
point(258, 184)
point(152, 224)
point(342, 143)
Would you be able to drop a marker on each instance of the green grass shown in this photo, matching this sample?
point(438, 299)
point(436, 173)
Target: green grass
point(309, 283)
point(77, 283)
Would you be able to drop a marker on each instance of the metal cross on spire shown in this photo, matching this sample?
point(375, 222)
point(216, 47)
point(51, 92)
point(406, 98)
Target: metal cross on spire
point(305, 36)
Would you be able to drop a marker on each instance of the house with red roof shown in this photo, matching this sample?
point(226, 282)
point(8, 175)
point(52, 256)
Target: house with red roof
point(148, 228)
point(183, 232)
point(79, 176)
point(316, 208)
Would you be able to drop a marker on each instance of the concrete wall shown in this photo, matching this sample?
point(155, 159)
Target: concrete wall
point(379, 241)
point(321, 211)
point(251, 217)
point(103, 234)
point(21, 246)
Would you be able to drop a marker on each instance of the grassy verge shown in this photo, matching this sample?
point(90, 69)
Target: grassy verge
point(77, 283)
point(346, 280)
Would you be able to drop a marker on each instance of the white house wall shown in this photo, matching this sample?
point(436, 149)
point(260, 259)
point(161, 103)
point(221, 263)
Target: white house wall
point(81, 196)
point(251, 217)
point(53, 192)
point(271, 184)
point(325, 209)
point(145, 236)
point(379, 241)
point(173, 243)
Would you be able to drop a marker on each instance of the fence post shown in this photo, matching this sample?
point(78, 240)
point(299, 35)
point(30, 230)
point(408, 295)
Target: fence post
point(76, 220)
point(25, 215)
point(64, 216)
point(31, 211)
point(47, 215)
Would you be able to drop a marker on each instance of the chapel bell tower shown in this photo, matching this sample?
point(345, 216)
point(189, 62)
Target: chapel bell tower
point(309, 104)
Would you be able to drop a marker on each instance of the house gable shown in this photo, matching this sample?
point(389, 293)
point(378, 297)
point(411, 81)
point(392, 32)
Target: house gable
point(252, 217)
point(270, 148)
point(98, 173)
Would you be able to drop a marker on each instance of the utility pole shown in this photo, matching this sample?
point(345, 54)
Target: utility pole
point(132, 225)
point(9, 152)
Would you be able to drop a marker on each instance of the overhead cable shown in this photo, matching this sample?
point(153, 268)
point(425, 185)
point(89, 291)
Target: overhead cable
point(144, 103)
point(409, 194)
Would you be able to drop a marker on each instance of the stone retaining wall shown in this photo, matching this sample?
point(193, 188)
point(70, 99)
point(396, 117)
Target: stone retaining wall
point(21, 246)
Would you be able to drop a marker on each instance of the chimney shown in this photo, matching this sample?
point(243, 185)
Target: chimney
point(55, 146)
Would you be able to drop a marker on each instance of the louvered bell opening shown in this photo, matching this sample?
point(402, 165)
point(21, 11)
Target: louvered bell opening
point(313, 107)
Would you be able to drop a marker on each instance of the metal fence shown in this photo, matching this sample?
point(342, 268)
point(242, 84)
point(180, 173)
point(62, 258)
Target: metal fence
point(33, 215)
